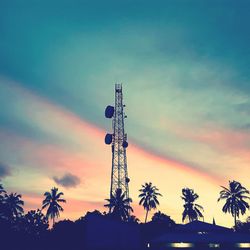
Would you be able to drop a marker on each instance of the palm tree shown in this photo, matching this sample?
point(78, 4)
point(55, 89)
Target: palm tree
point(148, 197)
point(119, 205)
point(191, 209)
point(52, 200)
point(13, 205)
point(235, 197)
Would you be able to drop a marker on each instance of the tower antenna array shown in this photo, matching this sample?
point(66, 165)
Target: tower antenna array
point(118, 142)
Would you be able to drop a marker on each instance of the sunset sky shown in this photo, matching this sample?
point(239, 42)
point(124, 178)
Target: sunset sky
point(184, 66)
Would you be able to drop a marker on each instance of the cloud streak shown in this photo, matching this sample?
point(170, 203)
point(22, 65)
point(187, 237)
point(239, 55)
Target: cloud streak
point(67, 180)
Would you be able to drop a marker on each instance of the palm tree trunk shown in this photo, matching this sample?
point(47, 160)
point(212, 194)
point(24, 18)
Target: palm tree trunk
point(235, 221)
point(53, 221)
point(146, 216)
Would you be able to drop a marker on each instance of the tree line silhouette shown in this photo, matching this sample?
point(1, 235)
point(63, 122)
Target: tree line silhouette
point(33, 227)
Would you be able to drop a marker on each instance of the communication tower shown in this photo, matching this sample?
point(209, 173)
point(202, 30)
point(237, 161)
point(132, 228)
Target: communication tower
point(118, 142)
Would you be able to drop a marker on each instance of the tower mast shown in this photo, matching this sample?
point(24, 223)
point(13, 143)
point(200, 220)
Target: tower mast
point(118, 141)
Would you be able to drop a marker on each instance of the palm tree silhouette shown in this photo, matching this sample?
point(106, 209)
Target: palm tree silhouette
point(234, 196)
point(119, 205)
point(191, 209)
point(13, 205)
point(148, 197)
point(52, 200)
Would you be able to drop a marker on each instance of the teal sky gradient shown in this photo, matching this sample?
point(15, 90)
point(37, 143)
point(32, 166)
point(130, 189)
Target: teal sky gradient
point(184, 66)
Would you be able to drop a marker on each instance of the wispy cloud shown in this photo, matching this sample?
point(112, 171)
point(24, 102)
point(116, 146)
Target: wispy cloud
point(67, 180)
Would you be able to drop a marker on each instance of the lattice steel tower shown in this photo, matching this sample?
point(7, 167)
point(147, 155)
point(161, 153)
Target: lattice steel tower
point(118, 141)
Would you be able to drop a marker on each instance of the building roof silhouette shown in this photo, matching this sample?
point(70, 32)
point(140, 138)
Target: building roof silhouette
point(200, 226)
point(201, 232)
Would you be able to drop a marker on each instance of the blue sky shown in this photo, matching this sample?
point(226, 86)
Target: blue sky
point(184, 66)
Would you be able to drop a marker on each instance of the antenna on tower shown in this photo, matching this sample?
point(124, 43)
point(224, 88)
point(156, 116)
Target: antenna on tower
point(119, 143)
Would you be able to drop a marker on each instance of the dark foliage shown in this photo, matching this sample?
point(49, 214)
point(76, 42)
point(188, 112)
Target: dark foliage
point(161, 218)
point(160, 224)
point(115, 230)
point(243, 227)
point(31, 231)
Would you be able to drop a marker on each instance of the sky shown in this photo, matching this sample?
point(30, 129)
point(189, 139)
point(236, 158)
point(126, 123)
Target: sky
point(184, 66)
